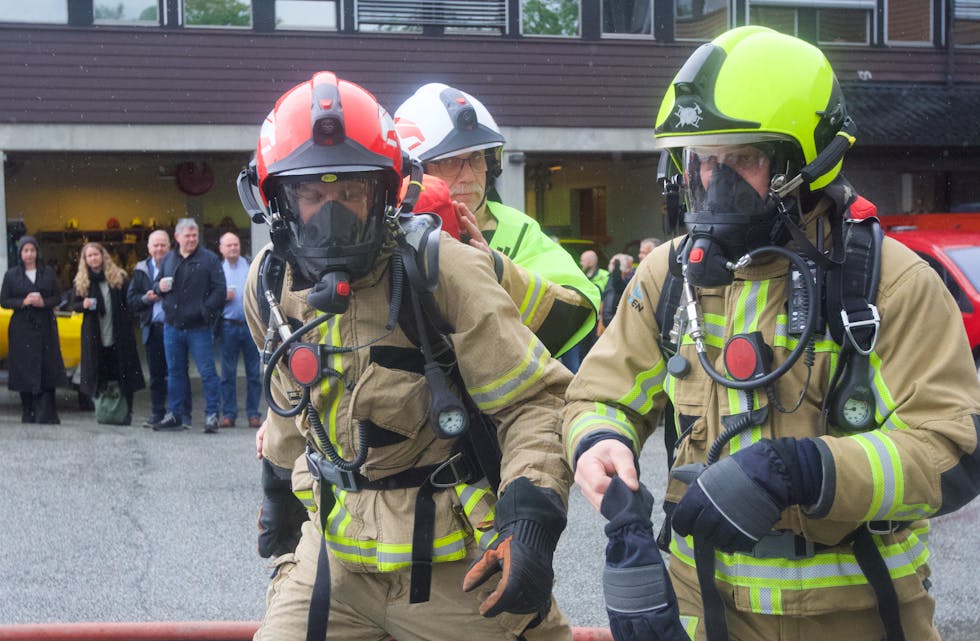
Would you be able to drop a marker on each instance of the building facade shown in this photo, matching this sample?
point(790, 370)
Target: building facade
point(143, 111)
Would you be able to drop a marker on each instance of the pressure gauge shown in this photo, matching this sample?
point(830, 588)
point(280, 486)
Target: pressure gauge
point(452, 421)
point(852, 403)
point(447, 414)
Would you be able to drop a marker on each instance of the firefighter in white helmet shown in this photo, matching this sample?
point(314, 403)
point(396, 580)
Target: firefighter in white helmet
point(456, 139)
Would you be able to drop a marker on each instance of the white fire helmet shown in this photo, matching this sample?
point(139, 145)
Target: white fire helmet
point(438, 121)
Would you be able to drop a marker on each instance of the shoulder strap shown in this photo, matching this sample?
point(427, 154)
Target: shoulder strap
point(852, 288)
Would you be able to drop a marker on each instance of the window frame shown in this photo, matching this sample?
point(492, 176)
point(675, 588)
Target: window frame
point(626, 36)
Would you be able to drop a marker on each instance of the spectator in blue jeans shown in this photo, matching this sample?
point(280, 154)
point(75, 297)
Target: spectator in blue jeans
point(192, 285)
point(236, 339)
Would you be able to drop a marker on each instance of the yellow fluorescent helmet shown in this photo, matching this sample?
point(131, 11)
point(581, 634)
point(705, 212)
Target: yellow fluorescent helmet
point(753, 84)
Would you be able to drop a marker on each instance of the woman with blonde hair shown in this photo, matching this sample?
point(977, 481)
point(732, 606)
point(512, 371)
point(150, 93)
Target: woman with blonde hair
point(108, 338)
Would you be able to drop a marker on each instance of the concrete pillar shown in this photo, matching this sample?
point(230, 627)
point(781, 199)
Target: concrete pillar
point(510, 184)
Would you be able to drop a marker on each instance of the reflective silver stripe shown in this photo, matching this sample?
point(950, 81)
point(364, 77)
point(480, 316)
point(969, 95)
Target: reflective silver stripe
point(498, 393)
point(645, 386)
point(531, 306)
point(825, 567)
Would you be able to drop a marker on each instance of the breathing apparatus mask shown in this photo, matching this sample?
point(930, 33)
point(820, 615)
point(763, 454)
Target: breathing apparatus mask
point(336, 226)
point(730, 209)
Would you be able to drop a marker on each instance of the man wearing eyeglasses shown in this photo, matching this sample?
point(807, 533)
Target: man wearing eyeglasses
point(458, 141)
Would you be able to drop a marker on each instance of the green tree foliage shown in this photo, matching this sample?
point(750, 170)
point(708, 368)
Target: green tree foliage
point(106, 12)
point(551, 17)
point(226, 13)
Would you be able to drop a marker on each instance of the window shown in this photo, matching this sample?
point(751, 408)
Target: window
point(218, 13)
point(51, 11)
point(550, 18)
point(131, 12)
point(306, 14)
point(700, 19)
point(908, 22)
point(822, 21)
point(415, 15)
point(966, 23)
point(626, 17)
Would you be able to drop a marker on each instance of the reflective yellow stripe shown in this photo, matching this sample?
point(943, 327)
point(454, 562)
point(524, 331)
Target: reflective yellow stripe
point(646, 385)
point(766, 600)
point(469, 497)
point(888, 479)
point(690, 624)
point(306, 498)
point(607, 417)
point(502, 391)
point(532, 299)
point(392, 556)
point(331, 389)
point(823, 570)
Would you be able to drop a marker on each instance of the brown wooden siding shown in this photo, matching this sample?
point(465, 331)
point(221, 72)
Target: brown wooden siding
point(60, 74)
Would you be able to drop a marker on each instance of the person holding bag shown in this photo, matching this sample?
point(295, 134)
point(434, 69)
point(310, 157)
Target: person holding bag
point(109, 357)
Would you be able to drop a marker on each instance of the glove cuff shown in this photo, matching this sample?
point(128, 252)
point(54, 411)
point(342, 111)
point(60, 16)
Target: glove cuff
point(534, 535)
point(524, 501)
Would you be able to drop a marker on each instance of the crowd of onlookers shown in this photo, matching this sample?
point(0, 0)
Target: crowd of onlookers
point(185, 299)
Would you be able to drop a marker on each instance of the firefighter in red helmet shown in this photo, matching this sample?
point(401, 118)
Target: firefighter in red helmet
point(431, 421)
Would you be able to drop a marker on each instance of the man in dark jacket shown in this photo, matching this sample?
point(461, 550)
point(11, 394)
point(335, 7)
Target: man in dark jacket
point(192, 285)
point(145, 302)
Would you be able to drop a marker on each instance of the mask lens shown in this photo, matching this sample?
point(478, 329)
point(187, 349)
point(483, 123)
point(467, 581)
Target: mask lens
point(330, 211)
point(726, 179)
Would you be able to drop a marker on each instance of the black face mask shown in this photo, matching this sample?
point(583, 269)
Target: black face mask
point(725, 222)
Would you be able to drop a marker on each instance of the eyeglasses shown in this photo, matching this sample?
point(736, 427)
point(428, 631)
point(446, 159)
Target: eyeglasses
point(452, 166)
point(743, 157)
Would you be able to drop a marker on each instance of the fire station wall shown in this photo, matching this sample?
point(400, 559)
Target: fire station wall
point(633, 202)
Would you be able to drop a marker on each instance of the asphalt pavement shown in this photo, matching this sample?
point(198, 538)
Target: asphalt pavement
point(113, 523)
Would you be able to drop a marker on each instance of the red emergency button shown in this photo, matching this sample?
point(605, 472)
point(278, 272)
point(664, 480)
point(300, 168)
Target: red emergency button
point(343, 288)
point(304, 364)
point(696, 255)
point(747, 357)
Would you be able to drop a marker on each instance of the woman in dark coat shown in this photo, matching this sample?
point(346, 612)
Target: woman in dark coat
point(108, 338)
point(34, 359)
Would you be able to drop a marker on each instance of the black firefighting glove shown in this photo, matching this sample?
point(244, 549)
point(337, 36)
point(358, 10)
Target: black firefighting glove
point(281, 516)
point(733, 503)
point(528, 521)
point(640, 599)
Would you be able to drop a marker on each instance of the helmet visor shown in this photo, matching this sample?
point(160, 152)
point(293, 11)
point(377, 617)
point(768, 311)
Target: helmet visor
point(727, 179)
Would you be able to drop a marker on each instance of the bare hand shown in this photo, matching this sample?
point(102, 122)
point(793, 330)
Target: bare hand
point(468, 226)
point(33, 300)
point(230, 294)
point(151, 296)
point(259, 437)
point(598, 464)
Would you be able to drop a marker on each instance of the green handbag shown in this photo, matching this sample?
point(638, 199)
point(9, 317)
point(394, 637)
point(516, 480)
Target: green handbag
point(111, 407)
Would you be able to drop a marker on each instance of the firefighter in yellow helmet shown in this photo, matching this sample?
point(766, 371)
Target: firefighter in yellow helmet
point(431, 413)
point(810, 442)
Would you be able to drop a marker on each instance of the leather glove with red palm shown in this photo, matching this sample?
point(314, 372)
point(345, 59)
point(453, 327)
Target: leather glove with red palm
point(733, 503)
point(281, 516)
point(528, 520)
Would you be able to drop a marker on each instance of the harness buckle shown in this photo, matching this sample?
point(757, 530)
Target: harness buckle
point(783, 545)
point(455, 464)
point(881, 528)
point(325, 471)
point(875, 321)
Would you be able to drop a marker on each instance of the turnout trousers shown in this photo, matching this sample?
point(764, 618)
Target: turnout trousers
point(375, 606)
